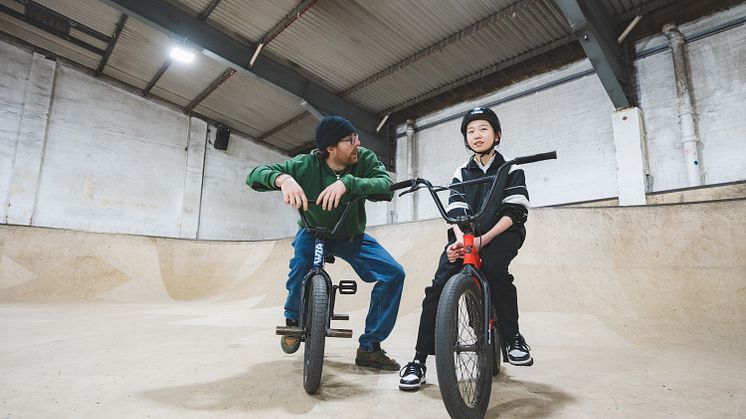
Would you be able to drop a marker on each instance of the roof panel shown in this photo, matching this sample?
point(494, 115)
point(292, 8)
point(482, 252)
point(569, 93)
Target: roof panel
point(297, 134)
point(48, 42)
point(258, 104)
point(194, 7)
point(92, 13)
point(138, 55)
point(183, 82)
point(501, 41)
point(247, 22)
point(343, 42)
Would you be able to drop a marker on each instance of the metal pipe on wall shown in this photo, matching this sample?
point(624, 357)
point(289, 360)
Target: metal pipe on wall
point(411, 172)
point(689, 138)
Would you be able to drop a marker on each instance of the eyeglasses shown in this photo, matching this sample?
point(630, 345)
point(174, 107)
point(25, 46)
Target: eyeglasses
point(352, 139)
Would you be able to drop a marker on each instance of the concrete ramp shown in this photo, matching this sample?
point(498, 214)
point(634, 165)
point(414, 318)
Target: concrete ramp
point(630, 312)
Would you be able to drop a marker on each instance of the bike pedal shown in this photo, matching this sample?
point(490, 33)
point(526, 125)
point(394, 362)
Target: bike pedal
point(340, 317)
point(339, 333)
point(288, 330)
point(347, 286)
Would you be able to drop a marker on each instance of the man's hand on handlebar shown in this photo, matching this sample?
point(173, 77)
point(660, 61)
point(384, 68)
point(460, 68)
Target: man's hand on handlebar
point(329, 197)
point(292, 193)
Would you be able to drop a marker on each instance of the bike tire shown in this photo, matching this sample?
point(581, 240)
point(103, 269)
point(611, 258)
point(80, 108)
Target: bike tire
point(463, 359)
point(316, 321)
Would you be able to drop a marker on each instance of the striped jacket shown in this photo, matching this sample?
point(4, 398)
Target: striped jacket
point(514, 203)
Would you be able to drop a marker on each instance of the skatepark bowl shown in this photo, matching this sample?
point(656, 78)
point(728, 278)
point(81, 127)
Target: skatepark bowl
point(630, 312)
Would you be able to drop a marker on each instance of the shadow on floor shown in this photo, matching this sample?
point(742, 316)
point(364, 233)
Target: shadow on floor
point(270, 385)
point(511, 398)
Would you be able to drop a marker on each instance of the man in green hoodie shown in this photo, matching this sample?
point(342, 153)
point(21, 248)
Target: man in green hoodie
point(339, 170)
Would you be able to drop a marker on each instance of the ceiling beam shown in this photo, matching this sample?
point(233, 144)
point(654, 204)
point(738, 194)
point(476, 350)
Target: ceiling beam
point(287, 21)
point(112, 43)
point(208, 10)
point(157, 76)
point(180, 24)
point(591, 26)
point(211, 88)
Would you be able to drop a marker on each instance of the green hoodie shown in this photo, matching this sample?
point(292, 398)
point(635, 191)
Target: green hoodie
point(365, 179)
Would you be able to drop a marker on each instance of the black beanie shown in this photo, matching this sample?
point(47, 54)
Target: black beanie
point(331, 129)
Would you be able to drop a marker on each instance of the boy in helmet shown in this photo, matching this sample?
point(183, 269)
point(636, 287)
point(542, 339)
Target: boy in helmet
point(498, 237)
point(339, 168)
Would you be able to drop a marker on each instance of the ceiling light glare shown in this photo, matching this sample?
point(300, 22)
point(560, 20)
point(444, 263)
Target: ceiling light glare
point(182, 55)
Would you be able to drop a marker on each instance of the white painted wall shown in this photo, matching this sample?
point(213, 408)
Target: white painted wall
point(572, 118)
point(14, 68)
point(717, 67)
point(230, 209)
point(77, 152)
point(113, 162)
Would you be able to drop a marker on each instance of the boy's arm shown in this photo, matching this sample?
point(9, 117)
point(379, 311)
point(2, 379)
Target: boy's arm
point(513, 209)
point(515, 202)
point(374, 180)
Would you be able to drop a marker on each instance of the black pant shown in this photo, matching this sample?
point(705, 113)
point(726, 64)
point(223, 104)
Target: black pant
point(496, 256)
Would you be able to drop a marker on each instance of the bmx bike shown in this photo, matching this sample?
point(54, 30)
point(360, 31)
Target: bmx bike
point(468, 345)
point(318, 295)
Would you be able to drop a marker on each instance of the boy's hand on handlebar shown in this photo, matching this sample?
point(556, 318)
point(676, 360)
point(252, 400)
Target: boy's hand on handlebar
point(329, 197)
point(455, 251)
point(293, 194)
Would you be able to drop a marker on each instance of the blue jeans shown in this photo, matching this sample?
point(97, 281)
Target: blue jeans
point(371, 262)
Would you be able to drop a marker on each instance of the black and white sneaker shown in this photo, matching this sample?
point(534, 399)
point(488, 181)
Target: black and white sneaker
point(412, 376)
point(518, 351)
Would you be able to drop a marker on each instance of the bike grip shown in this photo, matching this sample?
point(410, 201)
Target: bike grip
point(401, 185)
point(536, 157)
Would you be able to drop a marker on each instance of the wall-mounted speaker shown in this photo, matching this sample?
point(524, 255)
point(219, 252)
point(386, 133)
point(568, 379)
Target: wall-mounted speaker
point(222, 137)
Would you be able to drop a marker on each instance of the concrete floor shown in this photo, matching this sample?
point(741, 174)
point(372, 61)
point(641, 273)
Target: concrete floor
point(623, 322)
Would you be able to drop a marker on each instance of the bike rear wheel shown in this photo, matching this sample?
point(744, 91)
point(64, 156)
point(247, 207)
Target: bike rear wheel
point(315, 328)
point(462, 355)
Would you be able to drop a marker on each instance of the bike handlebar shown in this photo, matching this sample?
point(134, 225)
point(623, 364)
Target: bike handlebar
point(417, 183)
point(536, 157)
point(403, 184)
point(323, 230)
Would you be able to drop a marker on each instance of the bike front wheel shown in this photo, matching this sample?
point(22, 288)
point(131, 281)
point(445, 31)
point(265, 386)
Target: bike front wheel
point(463, 356)
point(315, 328)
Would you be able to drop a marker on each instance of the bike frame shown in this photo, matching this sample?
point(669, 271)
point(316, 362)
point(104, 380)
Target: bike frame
point(320, 234)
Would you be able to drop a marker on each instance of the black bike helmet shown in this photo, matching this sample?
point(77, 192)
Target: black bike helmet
point(483, 114)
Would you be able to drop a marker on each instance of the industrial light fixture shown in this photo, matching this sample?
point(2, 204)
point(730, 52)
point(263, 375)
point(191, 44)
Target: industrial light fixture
point(182, 55)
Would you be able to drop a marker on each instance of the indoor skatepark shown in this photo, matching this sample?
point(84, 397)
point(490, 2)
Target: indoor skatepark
point(630, 312)
point(141, 278)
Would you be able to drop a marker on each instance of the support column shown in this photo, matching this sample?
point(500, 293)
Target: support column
point(631, 156)
point(193, 177)
point(31, 143)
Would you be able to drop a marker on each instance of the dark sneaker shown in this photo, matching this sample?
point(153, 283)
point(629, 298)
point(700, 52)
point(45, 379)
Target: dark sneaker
point(290, 343)
point(412, 376)
point(376, 359)
point(518, 351)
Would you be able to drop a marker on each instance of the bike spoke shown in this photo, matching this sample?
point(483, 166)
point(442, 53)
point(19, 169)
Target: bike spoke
point(468, 335)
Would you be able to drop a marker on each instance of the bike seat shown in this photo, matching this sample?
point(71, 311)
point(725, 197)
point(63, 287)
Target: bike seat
point(329, 259)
